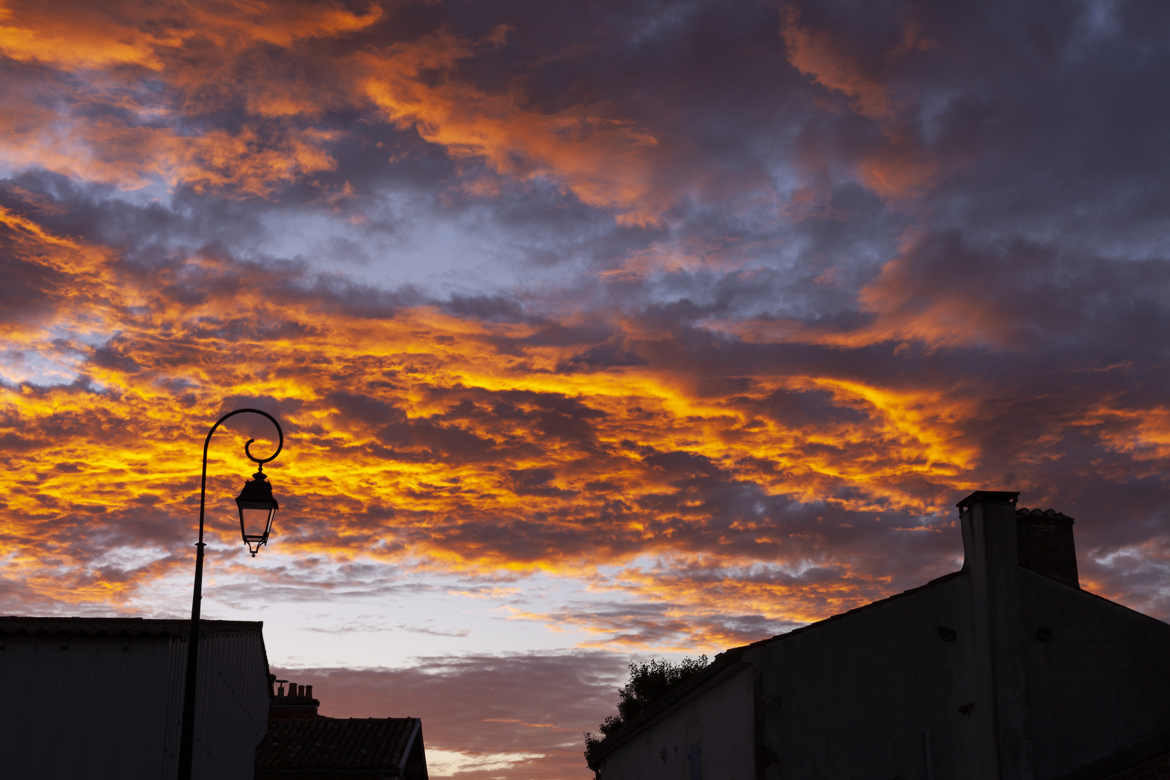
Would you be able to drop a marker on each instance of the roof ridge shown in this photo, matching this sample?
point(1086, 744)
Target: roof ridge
point(728, 659)
point(82, 626)
point(867, 605)
point(362, 718)
point(1035, 513)
point(325, 743)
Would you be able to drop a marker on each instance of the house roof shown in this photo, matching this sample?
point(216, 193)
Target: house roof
point(730, 660)
point(1043, 515)
point(317, 744)
point(1147, 759)
point(864, 607)
point(12, 625)
point(995, 496)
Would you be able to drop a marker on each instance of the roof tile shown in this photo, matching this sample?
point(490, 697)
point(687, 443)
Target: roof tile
point(323, 743)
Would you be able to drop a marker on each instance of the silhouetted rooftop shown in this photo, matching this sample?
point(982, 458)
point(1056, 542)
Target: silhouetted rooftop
point(1148, 759)
point(320, 744)
point(12, 625)
point(1047, 515)
point(729, 660)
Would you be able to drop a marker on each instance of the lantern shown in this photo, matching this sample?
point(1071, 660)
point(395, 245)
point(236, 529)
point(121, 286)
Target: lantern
point(257, 509)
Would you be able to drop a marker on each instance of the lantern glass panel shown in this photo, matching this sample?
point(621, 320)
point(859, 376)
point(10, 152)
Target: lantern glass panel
point(256, 525)
point(257, 510)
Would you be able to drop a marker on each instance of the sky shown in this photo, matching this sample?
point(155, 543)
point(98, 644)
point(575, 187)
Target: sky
point(597, 331)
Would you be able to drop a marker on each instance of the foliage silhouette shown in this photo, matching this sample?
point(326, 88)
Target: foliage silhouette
point(648, 682)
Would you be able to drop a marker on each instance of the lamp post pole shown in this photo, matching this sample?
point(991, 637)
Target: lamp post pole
point(187, 734)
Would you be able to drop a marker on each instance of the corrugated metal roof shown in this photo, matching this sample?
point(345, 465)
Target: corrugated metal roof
point(11, 625)
point(337, 743)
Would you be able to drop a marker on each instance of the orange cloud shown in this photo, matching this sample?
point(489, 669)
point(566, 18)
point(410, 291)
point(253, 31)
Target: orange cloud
point(152, 35)
point(197, 53)
point(211, 56)
point(437, 442)
point(818, 54)
point(603, 160)
point(241, 163)
point(420, 433)
point(900, 168)
point(85, 37)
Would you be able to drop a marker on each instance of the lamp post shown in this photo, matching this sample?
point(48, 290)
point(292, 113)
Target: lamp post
point(257, 508)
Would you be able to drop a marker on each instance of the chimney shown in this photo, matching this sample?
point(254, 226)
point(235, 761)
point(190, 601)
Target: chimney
point(298, 703)
point(988, 520)
point(1046, 546)
point(998, 739)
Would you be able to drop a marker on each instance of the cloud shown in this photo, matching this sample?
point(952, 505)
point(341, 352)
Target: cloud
point(602, 159)
point(534, 708)
point(79, 35)
point(817, 54)
point(704, 317)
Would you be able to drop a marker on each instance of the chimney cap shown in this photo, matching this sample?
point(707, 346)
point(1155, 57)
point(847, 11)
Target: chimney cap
point(989, 497)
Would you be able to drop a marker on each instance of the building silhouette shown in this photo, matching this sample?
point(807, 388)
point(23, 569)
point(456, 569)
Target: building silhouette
point(1003, 670)
point(302, 745)
point(102, 697)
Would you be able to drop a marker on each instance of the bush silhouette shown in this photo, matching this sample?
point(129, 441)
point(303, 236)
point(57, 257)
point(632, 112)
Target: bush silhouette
point(648, 682)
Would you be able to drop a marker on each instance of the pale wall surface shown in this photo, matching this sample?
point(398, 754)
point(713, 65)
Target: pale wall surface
point(710, 736)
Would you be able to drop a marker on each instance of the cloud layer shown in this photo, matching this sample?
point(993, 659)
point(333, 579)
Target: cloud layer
point(704, 315)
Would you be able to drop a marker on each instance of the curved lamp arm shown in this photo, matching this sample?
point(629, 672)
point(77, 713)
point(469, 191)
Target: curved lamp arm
point(187, 729)
point(247, 451)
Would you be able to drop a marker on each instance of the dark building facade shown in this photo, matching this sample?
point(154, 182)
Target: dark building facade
point(1003, 670)
point(103, 697)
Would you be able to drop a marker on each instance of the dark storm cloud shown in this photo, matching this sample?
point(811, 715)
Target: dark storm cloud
point(535, 482)
point(603, 356)
point(486, 308)
point(1082, 123)
point(1032, 297)
point(809, 409)
point(28, 289)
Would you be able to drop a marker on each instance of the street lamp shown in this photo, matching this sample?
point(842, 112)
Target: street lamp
point(257, 509)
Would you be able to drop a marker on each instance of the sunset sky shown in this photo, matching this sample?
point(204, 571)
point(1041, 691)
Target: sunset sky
point(597, 330)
